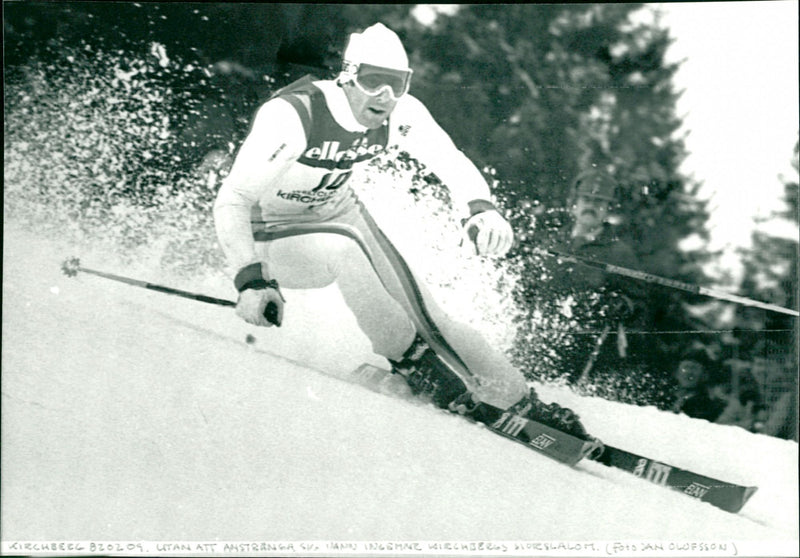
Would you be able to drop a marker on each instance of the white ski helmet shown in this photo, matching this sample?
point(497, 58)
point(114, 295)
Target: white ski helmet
point(376, 45)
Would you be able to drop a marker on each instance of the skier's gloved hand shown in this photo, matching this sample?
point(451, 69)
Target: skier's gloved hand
point(261, 307)
point(260, 300)
point(488, 230)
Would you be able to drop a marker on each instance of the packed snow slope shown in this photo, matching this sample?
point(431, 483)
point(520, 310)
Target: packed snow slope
point(134, 415)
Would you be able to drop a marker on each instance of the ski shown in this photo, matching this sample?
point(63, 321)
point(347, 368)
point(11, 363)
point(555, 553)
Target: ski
point(724, 495)
point(546, 440)
point(569, 450)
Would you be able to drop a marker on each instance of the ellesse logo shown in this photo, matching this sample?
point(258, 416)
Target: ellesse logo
point(329, 151)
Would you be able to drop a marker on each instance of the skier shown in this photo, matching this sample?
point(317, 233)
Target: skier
point(293, 170)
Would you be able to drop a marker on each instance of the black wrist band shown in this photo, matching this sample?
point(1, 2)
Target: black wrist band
point(479, 206)
point(256, 285)
point(261, 284)
point(250, 277)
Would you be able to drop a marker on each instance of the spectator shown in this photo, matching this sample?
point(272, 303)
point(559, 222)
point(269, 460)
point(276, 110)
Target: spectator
point(604, 301)
point(693, 398)
point(779, 418)
point(743, 398)
point(592, 236)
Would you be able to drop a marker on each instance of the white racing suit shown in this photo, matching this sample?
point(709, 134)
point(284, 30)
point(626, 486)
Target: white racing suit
point(286, 202)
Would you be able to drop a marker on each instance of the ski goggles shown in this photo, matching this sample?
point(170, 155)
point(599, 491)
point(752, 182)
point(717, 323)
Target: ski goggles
point(372, 80)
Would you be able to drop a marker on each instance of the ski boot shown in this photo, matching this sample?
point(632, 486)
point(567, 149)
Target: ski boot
point(467, 404)
point(552, 415)
point(428, 375)
point(560, 418)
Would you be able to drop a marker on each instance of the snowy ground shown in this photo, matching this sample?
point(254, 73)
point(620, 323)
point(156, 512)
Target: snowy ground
point(130, 415)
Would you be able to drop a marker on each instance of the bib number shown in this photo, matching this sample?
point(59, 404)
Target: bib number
point(332, 181)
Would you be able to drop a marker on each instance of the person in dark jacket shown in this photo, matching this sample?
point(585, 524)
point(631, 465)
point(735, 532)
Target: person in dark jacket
point(693, 398)
point(604, 301)
point(592, 235)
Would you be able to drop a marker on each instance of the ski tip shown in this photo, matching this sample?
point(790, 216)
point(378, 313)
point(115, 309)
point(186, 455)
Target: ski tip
point(748, 492)
point(71, 266)
point(731, 503)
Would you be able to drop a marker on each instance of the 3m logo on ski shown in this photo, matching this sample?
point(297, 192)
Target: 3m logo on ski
point(657, 473)
point(542, 441)
point(697, 490)
point(510, 424)
point(514, 424)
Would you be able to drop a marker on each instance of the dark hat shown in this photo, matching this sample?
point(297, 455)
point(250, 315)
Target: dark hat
point(595, 184)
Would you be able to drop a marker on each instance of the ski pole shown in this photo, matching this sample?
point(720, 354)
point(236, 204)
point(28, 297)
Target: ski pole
point(72, 266)
point(650, 278)
point(595, 353)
